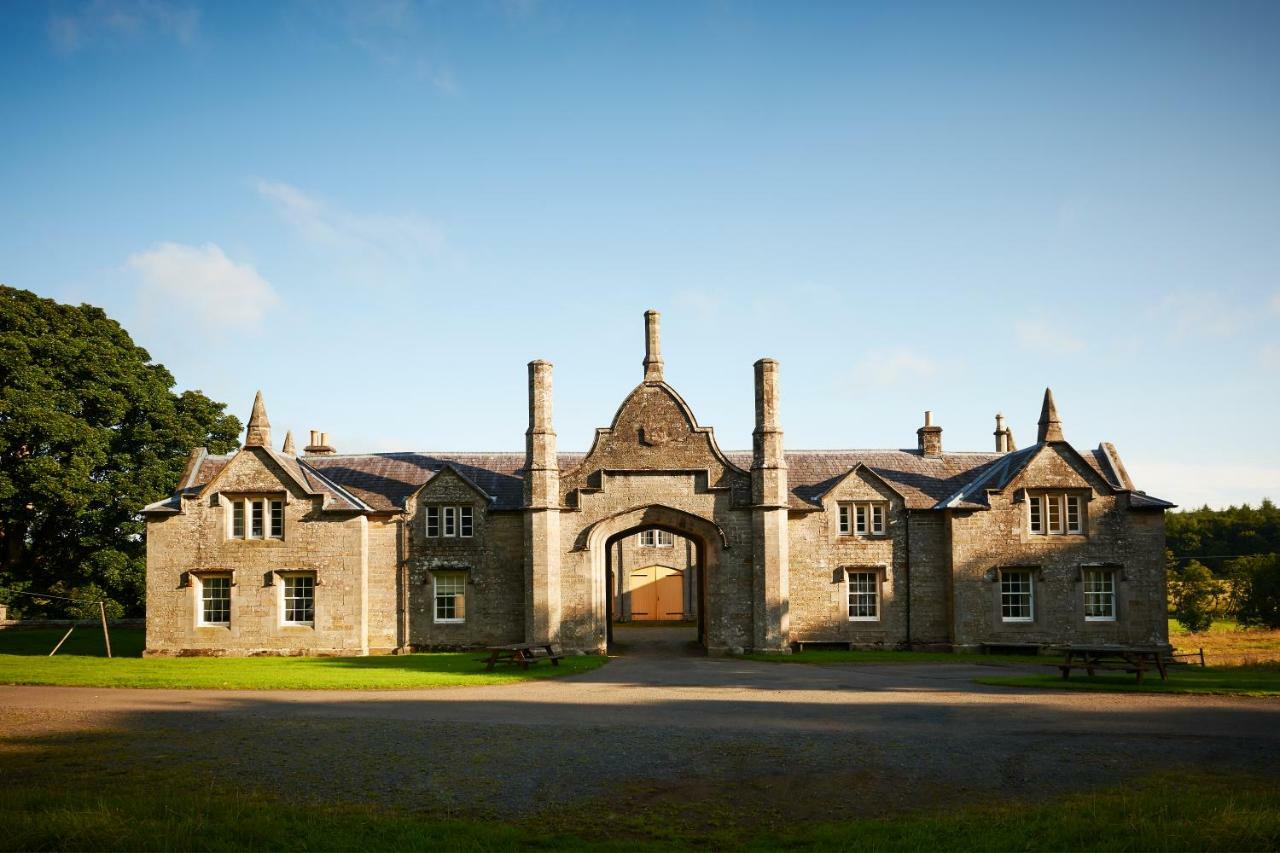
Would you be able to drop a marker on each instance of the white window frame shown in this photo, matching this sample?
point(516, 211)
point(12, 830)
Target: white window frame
point(457, 587)
point(255, 518)
point(864, 518)
point(1056, 514)
point(1100, 585)
point(861, 591)
point(655, 538)
point(202, 583)
point(1007, 595)
point(449, 521)
point(286, 580)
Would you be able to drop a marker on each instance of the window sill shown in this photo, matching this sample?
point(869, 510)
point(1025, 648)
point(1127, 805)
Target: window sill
point(310, 626)
point(1011, 621)
point(864, 618)
point(225, 626)
point(449, 621)
point(1100, 619)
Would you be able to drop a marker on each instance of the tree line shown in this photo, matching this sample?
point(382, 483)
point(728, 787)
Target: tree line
point(91, 431)
point(1225, 562)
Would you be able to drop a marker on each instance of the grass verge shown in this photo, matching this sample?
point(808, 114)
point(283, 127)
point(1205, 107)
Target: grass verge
point(1214, 680)
point(24, 660)
point(1226, 813)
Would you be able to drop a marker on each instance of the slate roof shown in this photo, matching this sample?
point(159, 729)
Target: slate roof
point(382, 482)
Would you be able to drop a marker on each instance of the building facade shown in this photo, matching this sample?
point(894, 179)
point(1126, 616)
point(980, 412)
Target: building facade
point(280, 552)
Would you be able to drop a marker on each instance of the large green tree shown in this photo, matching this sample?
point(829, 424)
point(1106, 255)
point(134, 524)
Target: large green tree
point(91, 430)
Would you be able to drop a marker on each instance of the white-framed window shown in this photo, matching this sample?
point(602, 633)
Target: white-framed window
point(299, 599)
point(450, 596)
point(1017, 595)
point(215, 600)
point(257, 518)
point(864, 595)
point(654, 538)
point(1099, 595)
point(863, 518)
point(450, 522)
point(1054, 513)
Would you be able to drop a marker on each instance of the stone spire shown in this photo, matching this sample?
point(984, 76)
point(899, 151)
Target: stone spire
point(289, 448)
point(652, 347)
point(259, 432)
point(1050, 424)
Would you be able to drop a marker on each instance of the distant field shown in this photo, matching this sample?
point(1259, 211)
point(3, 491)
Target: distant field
point(1227, 644)
point(24, 660)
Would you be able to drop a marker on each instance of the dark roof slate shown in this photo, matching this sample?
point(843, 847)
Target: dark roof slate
point(382, 482)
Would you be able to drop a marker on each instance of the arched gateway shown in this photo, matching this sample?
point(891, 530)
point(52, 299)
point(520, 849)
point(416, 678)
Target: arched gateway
point(264, 551)
point(654, 467)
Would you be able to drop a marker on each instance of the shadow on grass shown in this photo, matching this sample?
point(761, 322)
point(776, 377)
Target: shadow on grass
point(1261, 681)
point(86, 640)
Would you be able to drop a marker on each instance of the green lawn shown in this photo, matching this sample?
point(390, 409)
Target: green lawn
point(24, 660)
point(1224, 813)
point(1222, 680)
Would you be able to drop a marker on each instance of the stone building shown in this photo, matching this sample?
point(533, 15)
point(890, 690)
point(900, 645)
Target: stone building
point(275, 551)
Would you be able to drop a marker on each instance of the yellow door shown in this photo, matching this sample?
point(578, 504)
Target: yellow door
point(657, 592)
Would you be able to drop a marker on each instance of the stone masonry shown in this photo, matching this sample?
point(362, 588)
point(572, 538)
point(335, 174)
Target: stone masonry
point(919, 547)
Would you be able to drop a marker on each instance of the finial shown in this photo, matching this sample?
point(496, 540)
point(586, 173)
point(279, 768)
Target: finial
point(652, 347)
point(1050, 424)
point(288, 448)
point(259, 432)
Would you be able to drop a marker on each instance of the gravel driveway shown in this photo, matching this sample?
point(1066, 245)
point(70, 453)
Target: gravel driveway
point(664, 725)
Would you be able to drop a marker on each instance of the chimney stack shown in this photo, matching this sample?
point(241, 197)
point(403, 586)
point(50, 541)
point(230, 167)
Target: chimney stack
point(1001, 434)
point(767, 457)
point(930, 437)
point(652, 346)
point(319, 445)
point(542, 474)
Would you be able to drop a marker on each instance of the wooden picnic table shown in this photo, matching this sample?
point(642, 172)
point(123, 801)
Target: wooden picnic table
point(521, 655)
point(1134, 659)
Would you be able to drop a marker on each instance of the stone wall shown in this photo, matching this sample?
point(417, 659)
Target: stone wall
point(492, 559)
point(820, 556)
point(982, 543)
point(180, 548)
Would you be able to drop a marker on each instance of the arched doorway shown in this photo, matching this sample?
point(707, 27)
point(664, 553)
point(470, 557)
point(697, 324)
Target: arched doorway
point(706, 539)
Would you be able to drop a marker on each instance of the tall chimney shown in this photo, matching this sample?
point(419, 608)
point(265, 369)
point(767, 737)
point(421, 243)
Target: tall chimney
point(929, 437)
point(1001, 434)
point(652, 346)
point(543, 606)
point(542, 471)
point(771, 562)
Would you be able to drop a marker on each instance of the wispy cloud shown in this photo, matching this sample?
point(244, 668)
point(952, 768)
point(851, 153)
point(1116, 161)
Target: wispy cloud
point(200, 284)
point(1270, 356)
point(396, 34)
point(1275, 303)
point(405, 241)
point(114, 21)
point(1196, 313)
point(1042, 337)
point(892, 367)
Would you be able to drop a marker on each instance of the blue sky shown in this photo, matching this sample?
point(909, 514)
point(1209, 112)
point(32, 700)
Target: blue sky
point(378, 212)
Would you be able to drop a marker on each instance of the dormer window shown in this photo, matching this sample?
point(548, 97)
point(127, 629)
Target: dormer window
point(863, 518)
point(450, 522)
point(1055, 513)
point(257, 518)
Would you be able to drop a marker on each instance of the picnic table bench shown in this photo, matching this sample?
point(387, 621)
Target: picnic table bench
point(521, 655)
point(1135, 659)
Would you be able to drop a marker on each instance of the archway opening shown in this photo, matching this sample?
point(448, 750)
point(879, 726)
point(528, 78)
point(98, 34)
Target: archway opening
point(656, 589)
